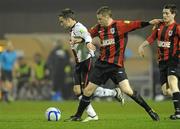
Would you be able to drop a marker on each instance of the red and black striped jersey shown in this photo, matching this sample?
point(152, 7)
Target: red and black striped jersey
point(114, 39)
point(167, 40)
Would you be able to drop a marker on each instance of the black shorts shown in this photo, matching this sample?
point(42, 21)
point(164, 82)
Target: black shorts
point(167, 69)
point(103, 71)
point(82, 72)
point(6, 75)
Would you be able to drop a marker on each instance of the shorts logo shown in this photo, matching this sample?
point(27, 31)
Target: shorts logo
point(120, 72)
point(170, 33)
point(172, 71)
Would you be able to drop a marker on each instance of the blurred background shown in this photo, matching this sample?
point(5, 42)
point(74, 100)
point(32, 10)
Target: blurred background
point(30, 29)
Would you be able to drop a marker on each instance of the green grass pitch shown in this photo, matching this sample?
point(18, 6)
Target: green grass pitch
point(30, 115)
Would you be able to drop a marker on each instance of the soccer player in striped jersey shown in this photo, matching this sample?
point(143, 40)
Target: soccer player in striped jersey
point(167, 34)
point(113, 35)
point(83, 50)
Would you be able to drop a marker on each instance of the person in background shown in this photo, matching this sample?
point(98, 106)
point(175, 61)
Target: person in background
point(40, 74)
point(23, 74)
point(58, 63)
point(1, 50)
point(8, 61)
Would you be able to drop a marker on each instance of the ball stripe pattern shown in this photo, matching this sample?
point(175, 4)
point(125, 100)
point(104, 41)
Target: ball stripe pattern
point(53, 114)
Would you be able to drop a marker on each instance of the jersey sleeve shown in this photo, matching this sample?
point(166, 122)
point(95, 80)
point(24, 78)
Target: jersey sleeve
point(82, 32)
point(151, 38)
point(127, 26)
point(178, 33)
point(94, 31)
point(178, 30)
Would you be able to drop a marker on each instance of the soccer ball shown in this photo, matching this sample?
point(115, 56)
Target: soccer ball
point(53, 114)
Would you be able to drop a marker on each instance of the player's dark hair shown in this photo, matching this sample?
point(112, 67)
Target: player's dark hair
point(172, 8)
point(104, 10)
point(67, 13)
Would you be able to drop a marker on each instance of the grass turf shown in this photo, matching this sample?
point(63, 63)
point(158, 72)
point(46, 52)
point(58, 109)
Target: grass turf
point(30, 115)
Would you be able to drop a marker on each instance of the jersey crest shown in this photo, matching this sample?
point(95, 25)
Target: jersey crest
point(170, 33)
point(112, 30)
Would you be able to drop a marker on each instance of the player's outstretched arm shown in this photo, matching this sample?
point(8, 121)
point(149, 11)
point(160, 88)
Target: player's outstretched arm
point(141, 48)
point(155, 21)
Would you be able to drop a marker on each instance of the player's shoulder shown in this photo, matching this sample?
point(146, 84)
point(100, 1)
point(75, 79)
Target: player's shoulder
point(78, 24)
point(122, 21)
point(178, 25)
point(79, 27)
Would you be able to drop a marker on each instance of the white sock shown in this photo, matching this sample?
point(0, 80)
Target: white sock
point(90, 110)
point(103, 92)
point(80, 97)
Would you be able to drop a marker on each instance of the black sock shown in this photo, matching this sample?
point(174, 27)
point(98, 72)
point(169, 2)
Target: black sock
point(138, 99)
point(84, 102)
point(176, 101)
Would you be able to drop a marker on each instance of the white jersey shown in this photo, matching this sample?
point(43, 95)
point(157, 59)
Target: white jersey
point(80, 50)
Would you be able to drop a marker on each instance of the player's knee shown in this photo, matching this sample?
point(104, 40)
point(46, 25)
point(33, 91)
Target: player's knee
point(127, 90)
point(172, 81)
point(169, 92)
point(166, 92)
point(90, 89)
point(77, 90)
point(88, 92)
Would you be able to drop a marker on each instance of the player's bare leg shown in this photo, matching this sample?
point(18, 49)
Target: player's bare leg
point(6, 91)
point(90, 110)
point(166, 90)
point(173, 84)
point(84, 102)
point(125, 87)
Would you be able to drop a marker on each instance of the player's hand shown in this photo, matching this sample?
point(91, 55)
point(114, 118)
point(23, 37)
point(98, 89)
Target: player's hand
point(155, 21)
point(75, 40)
point(71, 42)
point(78, 40)
point(91, 46)
point(141, 51)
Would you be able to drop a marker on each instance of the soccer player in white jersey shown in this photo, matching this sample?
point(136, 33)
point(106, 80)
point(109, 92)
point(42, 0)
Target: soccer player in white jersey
point(84, 52)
